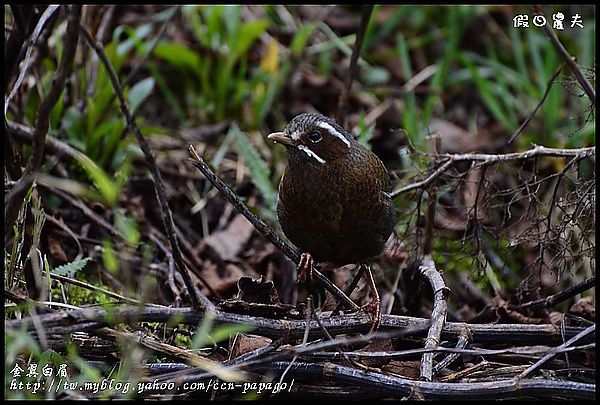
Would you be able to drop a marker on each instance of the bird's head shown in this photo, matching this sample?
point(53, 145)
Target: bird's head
point(315, 138)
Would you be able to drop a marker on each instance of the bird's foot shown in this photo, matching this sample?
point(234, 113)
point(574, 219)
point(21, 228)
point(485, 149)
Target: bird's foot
point(374, 309)
point(305, 267)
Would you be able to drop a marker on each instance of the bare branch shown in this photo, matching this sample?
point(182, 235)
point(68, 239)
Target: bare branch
point(393, 385)
point(167, 217)
point(537, 151)
point(561, 296)
point(438, 314)
point(367, 10)
point(554, 353)
point(14, 200)
point(569, 60)
point(94, 318)
point(537, 107)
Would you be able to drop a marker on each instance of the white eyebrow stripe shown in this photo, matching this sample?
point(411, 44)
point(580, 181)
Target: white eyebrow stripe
point(333, 132)
point(311, 154)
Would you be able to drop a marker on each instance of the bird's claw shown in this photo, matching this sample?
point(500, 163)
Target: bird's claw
point(305, 267)
point(374, 309)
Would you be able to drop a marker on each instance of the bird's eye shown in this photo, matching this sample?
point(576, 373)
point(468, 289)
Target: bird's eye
point(315, 136)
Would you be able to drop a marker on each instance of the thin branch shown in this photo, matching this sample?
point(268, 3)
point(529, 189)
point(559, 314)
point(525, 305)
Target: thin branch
point(17, 43)
point(213, 367)
point(263, 228)
point(537, 151)
point(90, 287)
point(561, 296)
point(196, 296)
point(14, 200)
point(461, 344)
point(537, 107)
point(569, 60)
point(452, 351)
point(49, 14)
point(423, 183)
point(436, 145)
point(438, 314)
point(555, 352)
point(367, 10)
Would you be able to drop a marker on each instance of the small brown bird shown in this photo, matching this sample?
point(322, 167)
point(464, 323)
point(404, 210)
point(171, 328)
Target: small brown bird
point(333, 200)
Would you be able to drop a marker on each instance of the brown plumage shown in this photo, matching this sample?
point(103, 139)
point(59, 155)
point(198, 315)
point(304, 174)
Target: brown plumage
point(333, 200)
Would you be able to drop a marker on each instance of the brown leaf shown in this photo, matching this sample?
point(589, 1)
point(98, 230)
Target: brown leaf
point(407, 369)
point(243, 343)
point(377, 346)
point(223, 282)
point(584, 308)
point(231, 240)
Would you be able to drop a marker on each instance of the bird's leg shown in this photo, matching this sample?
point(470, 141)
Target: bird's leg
point(375, 305)
point(305, 267)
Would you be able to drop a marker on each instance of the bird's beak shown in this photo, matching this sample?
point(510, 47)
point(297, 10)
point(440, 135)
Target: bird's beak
point(280, 137)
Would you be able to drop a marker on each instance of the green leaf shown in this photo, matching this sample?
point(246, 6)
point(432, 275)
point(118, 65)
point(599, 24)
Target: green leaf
point(247, 34)
point(223, 332)
point(375, 75)
point(70, 269)
point(365, 132)
point(109, 257)
point(302, 35)
point(259, 171)
point(101, 180)
point(139, 92)
point(178, 55)
point(140, 33)
point(128, 227)
point(487, 94)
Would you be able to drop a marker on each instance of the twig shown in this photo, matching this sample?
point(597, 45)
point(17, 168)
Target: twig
point(553, 353)
point(94, 288)
point(458, 350)
point(425, 182)
point(263, 228)
point(393, 385)
point(14, 47)
point(583, 81)
point(438, 314)
point(463, 341)
point(537, 107)
point(167, 217)
point(141, 63)
point(14, 201)
point(561, 296)
point(436, 145)
point(329, 337)
point(216, 369)
point(537, 151)
point(87, 211)
point(47, 16)
point(95, 318)
point(305, 337)
point(151, 48)
point(367, 10)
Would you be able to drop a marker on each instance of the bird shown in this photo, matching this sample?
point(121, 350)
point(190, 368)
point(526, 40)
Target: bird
point(333, 200)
